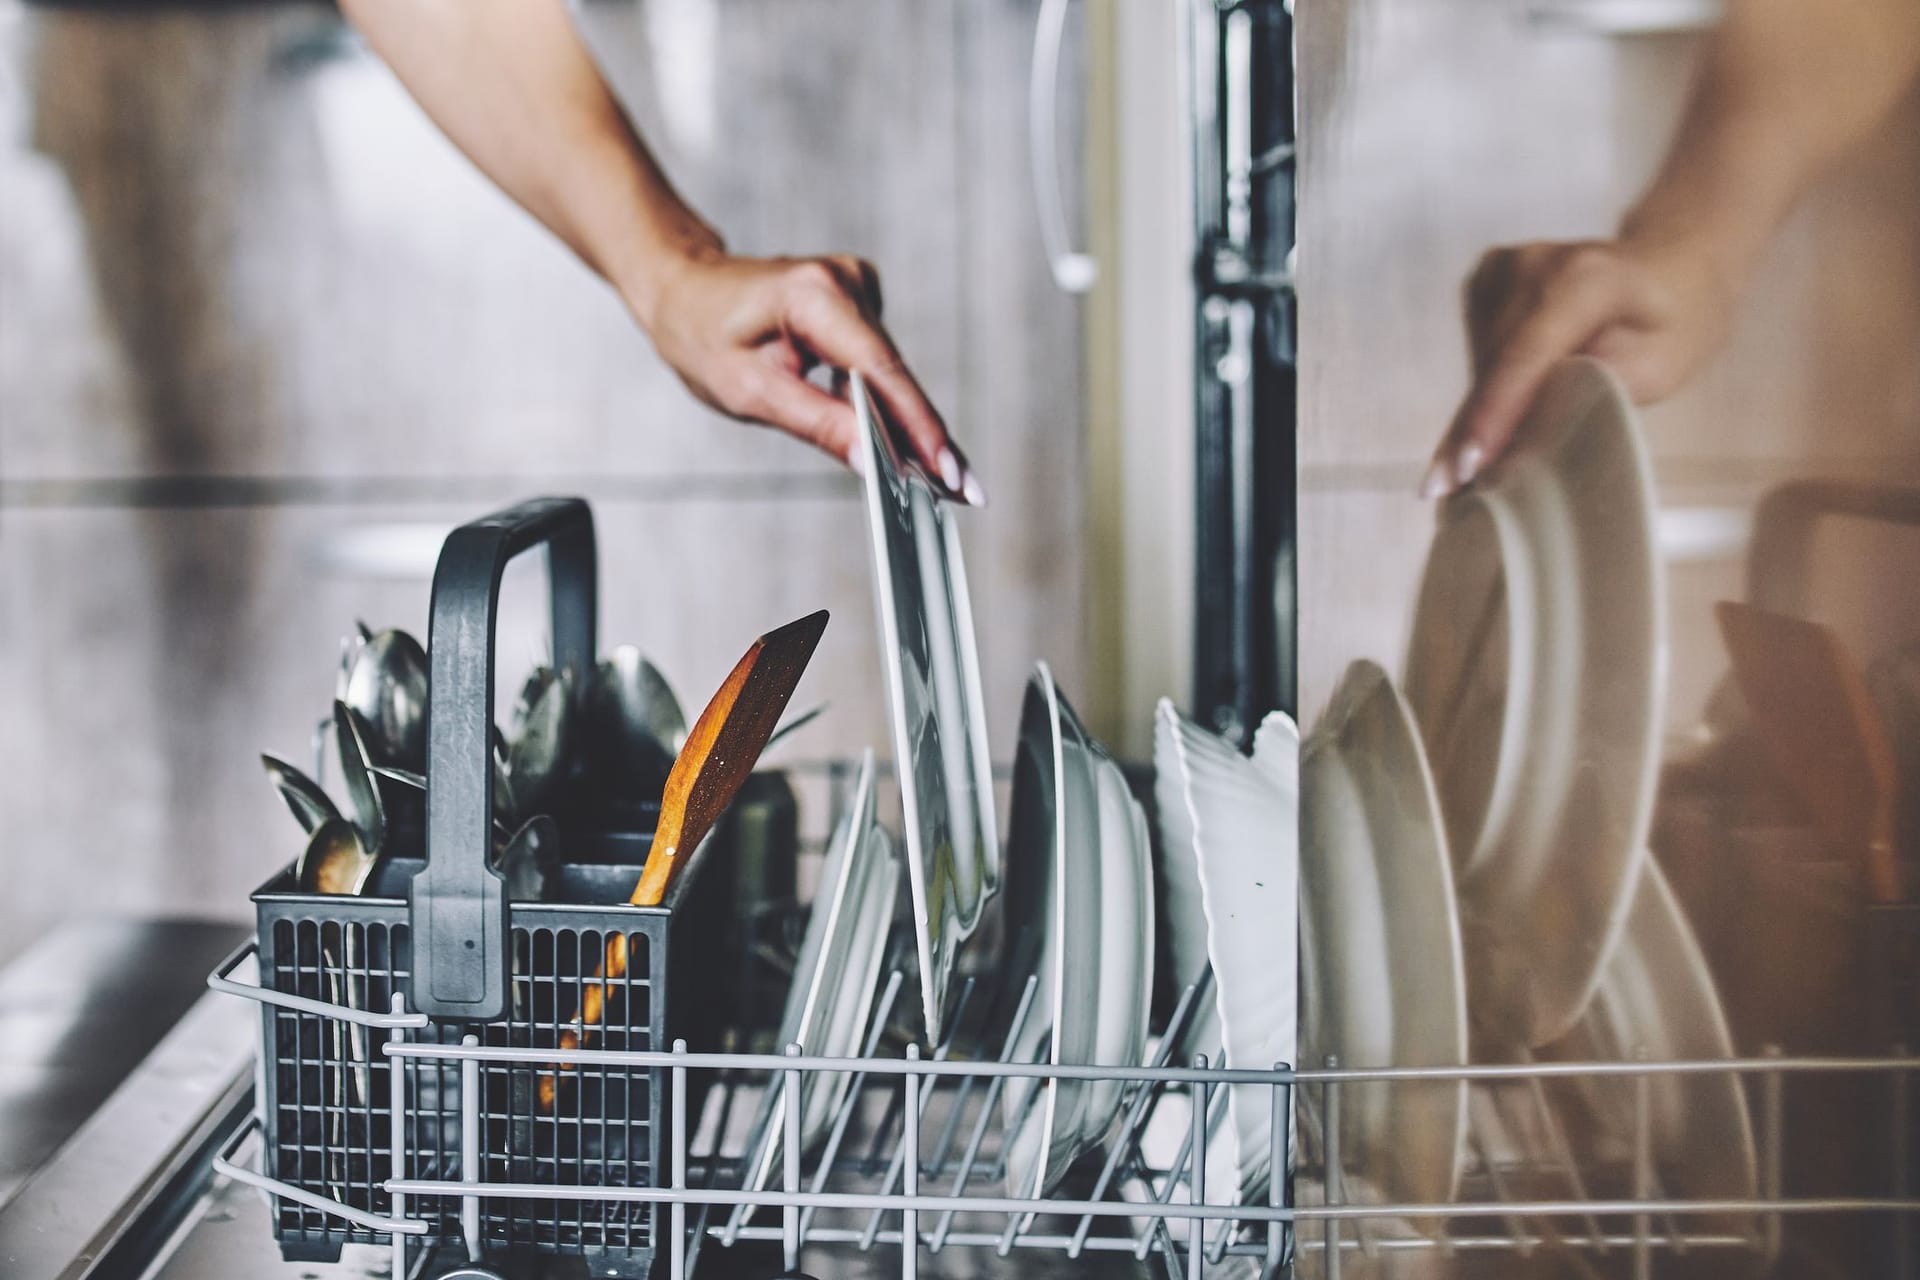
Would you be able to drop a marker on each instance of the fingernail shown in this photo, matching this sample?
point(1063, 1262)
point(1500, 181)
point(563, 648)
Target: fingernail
point(949, 470)
point(857, 458)
point(1468, 465)
point(1437, 482)
point(972, 490)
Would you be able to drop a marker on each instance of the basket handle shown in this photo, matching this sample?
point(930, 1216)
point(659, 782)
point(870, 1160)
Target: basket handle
point(459, 907)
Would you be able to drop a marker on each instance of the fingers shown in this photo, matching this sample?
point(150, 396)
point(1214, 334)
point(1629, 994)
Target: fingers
point(824, 317)
point(783, 399)
point(1577, 295)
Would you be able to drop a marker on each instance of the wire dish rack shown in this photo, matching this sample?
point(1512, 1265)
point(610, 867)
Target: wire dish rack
point(914, 1154)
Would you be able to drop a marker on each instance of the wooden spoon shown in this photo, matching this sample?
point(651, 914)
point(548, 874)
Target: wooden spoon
point(1820, 728)
point(720, 752)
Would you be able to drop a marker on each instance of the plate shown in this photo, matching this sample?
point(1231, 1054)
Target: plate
point(938, 719)
point(836, 975)
point(1080, 916)
point(1382, 977)
point(1657, 1000)
point(1244, 856)
point(1537, 672)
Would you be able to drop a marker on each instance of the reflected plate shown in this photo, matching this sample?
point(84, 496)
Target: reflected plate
point(1537, 670)
point(1383, 982)
point(938, 719)
point(1657, 1000)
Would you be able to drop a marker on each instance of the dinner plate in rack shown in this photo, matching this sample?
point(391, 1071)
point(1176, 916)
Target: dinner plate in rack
point(1079, 915)
point(937, 716)
point(837, 974)
point(1537, 671)
point(1657, 1000)
point(1242, 817)
point(1383, 981)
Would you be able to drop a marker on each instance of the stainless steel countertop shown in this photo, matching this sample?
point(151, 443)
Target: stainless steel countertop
point(79, 1010)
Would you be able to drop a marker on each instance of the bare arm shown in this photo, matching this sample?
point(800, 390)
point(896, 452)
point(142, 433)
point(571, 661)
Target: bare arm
point(512, 84)
point(1785, 88)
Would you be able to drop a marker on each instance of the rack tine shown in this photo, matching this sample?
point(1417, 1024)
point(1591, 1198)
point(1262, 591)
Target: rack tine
point(945, 1143)
point(1902, 1174)
point(1143, 1099)
point(1562, 1150)
point(1164, 1195)
point(1017, 1220)
point(1335, 1177)
point(910, 1146)
point(1481, 1104)
point(1197, 1176)
point(790, 1161)
point(850, 1103)
point(986, 1112)
point(1642, 1170)
point(1280, 1159)
point(677, 1245)
point(910, 1121)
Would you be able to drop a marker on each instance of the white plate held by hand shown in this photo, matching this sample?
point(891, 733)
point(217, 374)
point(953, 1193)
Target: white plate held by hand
point(938, 719)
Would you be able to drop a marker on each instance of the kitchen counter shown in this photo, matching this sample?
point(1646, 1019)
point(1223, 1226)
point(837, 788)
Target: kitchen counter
point(79, 1010)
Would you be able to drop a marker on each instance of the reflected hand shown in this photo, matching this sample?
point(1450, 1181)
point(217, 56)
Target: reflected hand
point(743, 333)
point(1652, 312)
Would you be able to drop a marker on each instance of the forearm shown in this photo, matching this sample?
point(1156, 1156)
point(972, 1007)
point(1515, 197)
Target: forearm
point(1784, 89)
point(514, 87)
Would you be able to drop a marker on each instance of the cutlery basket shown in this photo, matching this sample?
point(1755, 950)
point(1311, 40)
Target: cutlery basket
point(435, 936)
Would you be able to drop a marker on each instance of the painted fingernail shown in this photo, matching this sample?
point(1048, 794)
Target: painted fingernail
point(972, 490)
point(949, 470)
point(1468, 465)
point(1437, 482)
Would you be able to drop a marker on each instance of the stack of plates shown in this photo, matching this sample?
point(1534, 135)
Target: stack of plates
point(836, 976)
point(1080, 918)
point(1537, 676)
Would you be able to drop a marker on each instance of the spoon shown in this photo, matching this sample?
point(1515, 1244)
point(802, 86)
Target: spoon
point(356, 771)
point(387, 684)
point(310, 805)
point(717, 758)
point(336, 862)
point(418, 782)
point(632, 711)
point(527, 860)
point(542, 721)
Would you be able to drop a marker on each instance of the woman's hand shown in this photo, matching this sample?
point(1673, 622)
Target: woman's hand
point(743, 333)
point(1653, 312)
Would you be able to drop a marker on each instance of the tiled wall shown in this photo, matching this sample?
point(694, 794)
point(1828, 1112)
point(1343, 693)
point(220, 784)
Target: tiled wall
point(252, 306)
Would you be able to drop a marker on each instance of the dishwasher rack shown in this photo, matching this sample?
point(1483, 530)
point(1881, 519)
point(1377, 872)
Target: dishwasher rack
point(931, 1169)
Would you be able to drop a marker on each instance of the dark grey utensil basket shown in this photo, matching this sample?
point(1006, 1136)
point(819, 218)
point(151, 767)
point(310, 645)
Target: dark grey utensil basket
point(438, 932)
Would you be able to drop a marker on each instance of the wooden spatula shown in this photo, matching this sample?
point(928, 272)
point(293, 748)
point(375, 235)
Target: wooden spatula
point(1821, 730)
point(719, 754)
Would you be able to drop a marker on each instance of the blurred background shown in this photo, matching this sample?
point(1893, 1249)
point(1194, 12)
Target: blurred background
point(265, 336)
